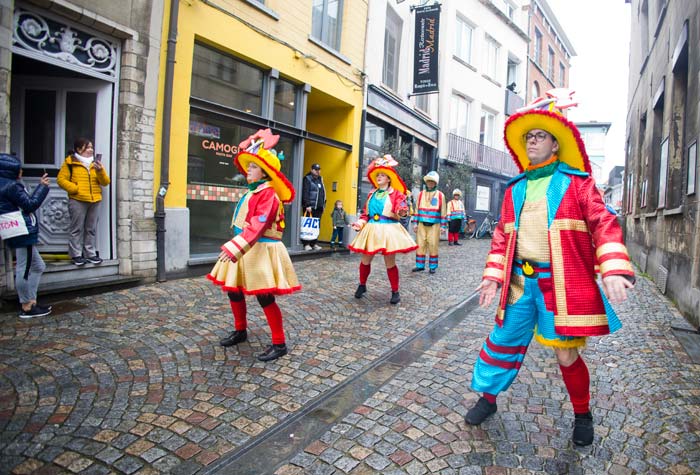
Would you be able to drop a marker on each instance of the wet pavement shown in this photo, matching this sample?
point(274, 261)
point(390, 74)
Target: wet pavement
point(134, 381)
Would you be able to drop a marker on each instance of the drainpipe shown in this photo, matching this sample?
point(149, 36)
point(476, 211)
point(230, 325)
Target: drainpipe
point(159, 215)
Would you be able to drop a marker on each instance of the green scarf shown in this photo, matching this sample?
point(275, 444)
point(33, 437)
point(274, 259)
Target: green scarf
point(542, 172)
point(255, 184)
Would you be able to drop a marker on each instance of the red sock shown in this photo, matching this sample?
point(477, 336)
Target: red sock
point(490, 398)
point(239, 314)
point(274, 319)
point(577, 382)
point(365, 269)
point(393, 273)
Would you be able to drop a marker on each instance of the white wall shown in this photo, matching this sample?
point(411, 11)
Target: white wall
point(470, 81)
point(374, 54)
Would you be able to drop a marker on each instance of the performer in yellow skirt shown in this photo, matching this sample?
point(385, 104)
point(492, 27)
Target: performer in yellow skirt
point(379, 228)
point(255, 261)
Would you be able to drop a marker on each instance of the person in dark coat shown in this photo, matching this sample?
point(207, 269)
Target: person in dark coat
point(313, 200)
point(15, 197)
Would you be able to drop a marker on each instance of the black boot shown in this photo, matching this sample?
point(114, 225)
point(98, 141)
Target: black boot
point(583, 429)
point(418, 269)
point(395, 297)
point(273, 352)
point(481, 410)
point(234, 338)
point(432, 270)
point(361, 289)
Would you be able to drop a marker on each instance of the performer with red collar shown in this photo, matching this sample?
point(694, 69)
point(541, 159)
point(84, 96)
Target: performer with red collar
point(379, 228)
point(554, 229)
point(255, 261)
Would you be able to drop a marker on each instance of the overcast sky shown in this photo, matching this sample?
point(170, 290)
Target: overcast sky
point(599, 32)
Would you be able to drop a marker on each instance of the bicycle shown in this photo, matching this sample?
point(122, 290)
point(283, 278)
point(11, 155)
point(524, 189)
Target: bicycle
point(486, 227)
point(469, 227)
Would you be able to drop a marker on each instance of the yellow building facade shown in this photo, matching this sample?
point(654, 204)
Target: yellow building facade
point(242, 65)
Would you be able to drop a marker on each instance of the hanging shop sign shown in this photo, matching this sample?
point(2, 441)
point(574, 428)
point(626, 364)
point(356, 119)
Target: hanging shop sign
point(425, 65)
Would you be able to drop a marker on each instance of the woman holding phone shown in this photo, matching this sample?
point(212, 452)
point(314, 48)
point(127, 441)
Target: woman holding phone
point(82, 175)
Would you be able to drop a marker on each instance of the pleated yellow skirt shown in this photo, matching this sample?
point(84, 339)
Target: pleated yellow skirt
point(265, 269)
point(384, 238)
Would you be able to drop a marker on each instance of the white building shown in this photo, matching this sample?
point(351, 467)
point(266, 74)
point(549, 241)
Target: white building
point(483, 70)
point(483, 50)
point(392, 112)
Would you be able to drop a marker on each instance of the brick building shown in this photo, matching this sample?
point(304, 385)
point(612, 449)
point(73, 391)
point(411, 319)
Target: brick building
point(550, 51)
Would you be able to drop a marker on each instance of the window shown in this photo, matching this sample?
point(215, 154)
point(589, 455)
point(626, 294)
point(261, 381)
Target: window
point(463, 40)
point(550, 64)
point(285, 101)
point(459, 115)
point(538, 47)
point(512, 73)
point(486, 128)
point(692, 165)
point(392, 43)
point(491, 65)
point(535, 91)
point(226, 80)
point(423, 102)
point(562, 75)
point(326, 17)
point(655, 174)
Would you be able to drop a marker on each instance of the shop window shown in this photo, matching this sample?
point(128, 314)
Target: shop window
point(463, 40)
point(326, 19)
point(392, 49)
point(285, 102)
point(214, 184)
point(225, 80)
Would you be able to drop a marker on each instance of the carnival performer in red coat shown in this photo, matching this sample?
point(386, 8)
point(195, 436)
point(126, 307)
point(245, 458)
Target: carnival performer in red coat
point(553, 233)
point(255, 261)
point(380, 230)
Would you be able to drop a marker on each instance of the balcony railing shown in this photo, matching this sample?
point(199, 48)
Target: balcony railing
point(479, 156)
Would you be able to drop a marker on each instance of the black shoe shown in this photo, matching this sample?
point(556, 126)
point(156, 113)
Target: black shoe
point(481, 410)
point(35, 311)
point(78, 261)
point(418, 269)
point(583, 429)
point(94, 260)
point(273, 352)
point(234, 338)
point(449, 243)
point(432, 271)
point(44, 308)
point(456, 243)
point(395, 298)
point(361, 289)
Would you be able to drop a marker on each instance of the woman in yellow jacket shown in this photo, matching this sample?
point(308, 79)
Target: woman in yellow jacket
point(83, 177)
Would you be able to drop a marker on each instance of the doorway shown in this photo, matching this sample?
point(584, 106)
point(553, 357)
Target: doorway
point(48, 114)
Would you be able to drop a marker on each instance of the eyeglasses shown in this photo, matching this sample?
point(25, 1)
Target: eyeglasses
point(539, 137)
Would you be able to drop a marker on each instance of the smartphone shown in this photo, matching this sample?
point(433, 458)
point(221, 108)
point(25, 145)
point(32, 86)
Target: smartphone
point(98, 157)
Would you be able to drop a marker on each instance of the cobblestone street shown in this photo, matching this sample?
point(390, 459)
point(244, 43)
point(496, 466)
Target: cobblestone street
point(134, 381)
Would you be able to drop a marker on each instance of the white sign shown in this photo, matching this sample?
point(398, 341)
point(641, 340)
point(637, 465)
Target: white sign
point(483, 198)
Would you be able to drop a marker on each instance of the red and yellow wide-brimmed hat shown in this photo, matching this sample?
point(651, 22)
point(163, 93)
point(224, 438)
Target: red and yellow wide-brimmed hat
point(258, 149)
point(386, 165)
point(545, 113)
